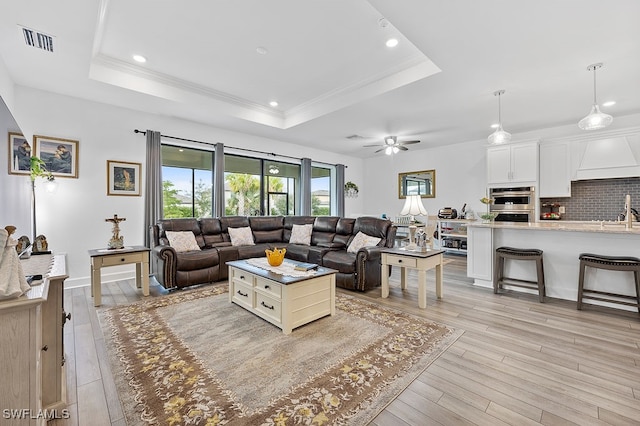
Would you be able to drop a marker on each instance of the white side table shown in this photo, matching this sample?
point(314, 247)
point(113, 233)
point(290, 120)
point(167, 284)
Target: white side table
point(128, 255)
point(421, 261)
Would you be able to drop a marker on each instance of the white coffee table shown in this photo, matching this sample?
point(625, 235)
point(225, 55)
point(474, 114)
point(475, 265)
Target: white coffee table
point(286, 302)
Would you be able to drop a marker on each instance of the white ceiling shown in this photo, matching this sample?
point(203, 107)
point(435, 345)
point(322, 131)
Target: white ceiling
point(328, 67)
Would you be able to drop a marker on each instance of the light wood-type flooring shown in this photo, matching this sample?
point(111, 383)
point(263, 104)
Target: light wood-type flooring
point(519, 362)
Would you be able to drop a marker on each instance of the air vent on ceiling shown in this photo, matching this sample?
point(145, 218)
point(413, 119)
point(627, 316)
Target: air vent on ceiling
point(37, 39)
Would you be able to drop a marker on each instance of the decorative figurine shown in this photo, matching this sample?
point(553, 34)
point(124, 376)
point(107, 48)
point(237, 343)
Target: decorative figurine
point(116, 241)
point(40, 245)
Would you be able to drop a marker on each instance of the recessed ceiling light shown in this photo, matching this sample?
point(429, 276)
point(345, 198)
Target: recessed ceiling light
point(608, 104)
point(262, 50)
point(139, 58)
point(392, 42)
point(273, 103)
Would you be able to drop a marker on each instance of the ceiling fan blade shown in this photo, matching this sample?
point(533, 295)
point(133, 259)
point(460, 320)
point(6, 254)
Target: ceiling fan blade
point(408, 142)
point(371, 145)
point(381, 149)
point(404, 148)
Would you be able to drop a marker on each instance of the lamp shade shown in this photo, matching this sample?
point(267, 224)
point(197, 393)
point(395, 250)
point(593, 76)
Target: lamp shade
point(413, 206)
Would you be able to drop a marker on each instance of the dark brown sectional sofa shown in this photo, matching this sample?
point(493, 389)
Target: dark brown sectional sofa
point(329, 241)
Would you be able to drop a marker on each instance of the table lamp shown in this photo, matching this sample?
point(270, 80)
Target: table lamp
point(413, 206)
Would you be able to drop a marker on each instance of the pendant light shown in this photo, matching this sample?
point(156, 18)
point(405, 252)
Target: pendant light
point(596, 119)
point(499, 136)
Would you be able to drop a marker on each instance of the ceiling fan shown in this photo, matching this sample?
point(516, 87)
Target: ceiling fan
point(391, 145)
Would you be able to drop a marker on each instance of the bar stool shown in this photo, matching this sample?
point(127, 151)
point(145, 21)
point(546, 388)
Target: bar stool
point(613, 263)
point(499, 279)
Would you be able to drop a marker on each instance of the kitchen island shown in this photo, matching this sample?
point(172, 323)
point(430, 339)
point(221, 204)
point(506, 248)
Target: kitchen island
point(562, 242)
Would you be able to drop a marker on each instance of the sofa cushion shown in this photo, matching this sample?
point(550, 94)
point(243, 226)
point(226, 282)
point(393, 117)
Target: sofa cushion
point(301, 234)
point(344, 231)
point(266, 229)
point(340, 260)
point(289, 221)
point(195, 260)
point(182, 241)
point(182, 224)
point(241, 236)
point(211, 231)
point(362, 240)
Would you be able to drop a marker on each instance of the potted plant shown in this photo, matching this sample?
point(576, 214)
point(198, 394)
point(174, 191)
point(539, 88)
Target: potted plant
point(351, 189)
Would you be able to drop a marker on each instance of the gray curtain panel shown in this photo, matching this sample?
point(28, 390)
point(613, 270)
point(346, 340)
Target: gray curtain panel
point(218, 181)
point(305, 187)
point(153, 185)
point(340, 189)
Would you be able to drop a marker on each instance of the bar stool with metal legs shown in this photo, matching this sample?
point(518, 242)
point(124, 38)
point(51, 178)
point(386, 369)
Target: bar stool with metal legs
point(612, 263)
point(499, 279)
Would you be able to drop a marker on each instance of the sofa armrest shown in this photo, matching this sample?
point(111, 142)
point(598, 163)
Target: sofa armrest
point(368, 268)
point(165, 262)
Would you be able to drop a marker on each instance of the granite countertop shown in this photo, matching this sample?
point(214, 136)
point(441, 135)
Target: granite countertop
point(562, 225)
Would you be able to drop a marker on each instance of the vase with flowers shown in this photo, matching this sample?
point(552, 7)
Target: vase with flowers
point(488, 216)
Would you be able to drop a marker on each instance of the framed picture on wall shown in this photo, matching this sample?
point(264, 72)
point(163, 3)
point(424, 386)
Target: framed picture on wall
point(20, 152)
point(60, 156)
point(123, 178)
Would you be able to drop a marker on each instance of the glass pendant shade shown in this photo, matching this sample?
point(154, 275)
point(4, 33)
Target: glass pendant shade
point(500, 135)
point(596, 119)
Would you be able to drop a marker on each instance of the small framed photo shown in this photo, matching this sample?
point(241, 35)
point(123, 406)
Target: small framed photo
point(60, 156)
point(123, 178)
point(20, 152)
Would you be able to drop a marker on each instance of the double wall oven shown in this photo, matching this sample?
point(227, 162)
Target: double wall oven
point(514, 204)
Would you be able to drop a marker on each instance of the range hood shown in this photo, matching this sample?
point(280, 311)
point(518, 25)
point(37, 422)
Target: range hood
point(613, 157)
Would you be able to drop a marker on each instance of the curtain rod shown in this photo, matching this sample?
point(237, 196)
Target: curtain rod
point(233, 147)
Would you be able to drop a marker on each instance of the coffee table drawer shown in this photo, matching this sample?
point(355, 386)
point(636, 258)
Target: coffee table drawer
point(242, 276)
point(269, 287)
point(269, 307)
point(122, 259)
point(243, 294)
point(401, 261)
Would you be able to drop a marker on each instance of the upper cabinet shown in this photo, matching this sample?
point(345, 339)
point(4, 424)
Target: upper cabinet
point(512, 163)
point(555, 170)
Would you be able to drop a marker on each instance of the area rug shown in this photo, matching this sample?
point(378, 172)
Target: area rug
point(194, 358)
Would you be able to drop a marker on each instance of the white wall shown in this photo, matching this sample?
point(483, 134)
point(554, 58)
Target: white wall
point(460, 178)
point(73, 219)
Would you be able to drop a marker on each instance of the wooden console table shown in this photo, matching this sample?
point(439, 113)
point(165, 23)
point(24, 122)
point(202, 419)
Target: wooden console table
point(407, 259)
point(31, 345)
point(104, 257)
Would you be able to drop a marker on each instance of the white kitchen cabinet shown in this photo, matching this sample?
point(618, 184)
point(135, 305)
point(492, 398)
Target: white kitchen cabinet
point(480, 255)
point(512, 163)
point(555, 169)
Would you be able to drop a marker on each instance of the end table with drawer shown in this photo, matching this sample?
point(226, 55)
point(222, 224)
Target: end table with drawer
point(112, 257)
point(407, 259)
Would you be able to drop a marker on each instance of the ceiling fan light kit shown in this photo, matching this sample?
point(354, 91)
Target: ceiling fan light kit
point(391, 145)
point(500, 136)
point(595, 119)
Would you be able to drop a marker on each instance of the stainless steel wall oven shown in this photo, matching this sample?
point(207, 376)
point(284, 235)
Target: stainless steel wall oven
point(514, 204)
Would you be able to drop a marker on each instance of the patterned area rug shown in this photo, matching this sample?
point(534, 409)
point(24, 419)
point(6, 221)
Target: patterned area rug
point(193, 358)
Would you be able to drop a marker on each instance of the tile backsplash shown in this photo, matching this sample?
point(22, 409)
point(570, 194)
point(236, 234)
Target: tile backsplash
point(600, 199)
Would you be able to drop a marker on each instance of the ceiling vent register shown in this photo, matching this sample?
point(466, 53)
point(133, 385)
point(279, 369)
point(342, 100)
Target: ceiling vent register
point(37, 39)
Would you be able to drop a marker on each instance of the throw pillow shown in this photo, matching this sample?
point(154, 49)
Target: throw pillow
point(182, 241)
point(301, 234)
point(362, 240)
point(241, 236)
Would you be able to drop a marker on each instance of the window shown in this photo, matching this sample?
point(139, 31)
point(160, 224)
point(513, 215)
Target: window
point(255, 186)
point(320, 191)
point(187, 176)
